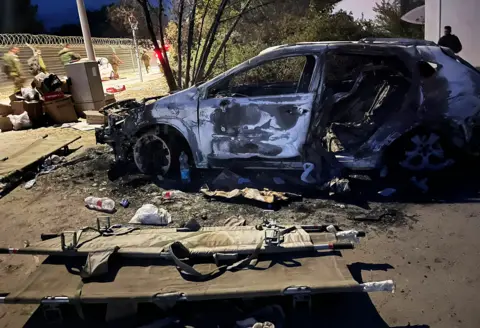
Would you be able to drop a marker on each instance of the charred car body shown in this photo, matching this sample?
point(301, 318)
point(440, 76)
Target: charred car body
point(343, 102)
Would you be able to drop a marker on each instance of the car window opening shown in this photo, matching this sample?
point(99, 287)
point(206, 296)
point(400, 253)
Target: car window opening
point(290, 75)
point(365, 89)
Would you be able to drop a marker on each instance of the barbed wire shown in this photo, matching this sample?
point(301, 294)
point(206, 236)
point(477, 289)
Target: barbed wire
point(55, 40)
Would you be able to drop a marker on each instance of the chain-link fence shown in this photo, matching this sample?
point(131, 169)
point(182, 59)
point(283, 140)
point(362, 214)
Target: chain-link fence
point(50, 45)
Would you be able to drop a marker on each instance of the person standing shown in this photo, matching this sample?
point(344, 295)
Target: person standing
point(115, 61)
point(146, 60)
point(67, 55)
point(450, 40)
point(13, 68)
point(36, 63)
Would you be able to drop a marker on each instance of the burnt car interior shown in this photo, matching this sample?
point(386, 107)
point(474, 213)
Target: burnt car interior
point(288, 75)
point(366, 89)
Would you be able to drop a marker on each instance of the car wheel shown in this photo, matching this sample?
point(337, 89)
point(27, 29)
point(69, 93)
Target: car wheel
point(426, 152)
point(153, 155)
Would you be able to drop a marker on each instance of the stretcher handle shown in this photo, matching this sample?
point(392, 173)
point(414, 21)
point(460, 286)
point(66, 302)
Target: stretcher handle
point(336, 246)
point(47, 236)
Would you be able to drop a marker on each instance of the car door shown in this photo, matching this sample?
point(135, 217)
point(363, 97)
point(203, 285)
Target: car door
point(261, 111)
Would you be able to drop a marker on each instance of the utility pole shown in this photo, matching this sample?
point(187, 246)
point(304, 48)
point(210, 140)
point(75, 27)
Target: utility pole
point(134, 26)
point(87, 37)
point(439, 19)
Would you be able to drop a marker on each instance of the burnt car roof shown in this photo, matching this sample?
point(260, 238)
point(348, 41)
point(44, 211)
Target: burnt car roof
point(374, 42)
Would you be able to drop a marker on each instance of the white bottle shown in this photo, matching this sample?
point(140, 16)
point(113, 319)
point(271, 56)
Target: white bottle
point(100, 204)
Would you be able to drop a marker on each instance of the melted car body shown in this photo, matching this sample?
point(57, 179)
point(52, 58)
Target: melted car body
point(291, 104)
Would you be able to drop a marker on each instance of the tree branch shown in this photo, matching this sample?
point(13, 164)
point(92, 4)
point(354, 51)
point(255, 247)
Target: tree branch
point(209, 40)
point(179, 43)
point(190, 42)
point(199, 40)
point(247, 11)
point(226, 38)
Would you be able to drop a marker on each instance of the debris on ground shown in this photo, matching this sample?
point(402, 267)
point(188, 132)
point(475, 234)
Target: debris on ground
point(172, 195)
point(21, 121)
point(124, 203)
point(116, 89)
point(267, 317)
point(228, 180)
point(100, 204)
point(192, 225)
point(337, 186)
point(149, 214)
point(376, 215)
point(264, 196)
point(387, 192)
point(30, 183)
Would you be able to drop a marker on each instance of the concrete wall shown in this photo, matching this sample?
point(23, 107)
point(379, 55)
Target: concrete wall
point(463, 16)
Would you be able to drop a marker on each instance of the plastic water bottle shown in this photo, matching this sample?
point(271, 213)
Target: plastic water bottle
point(100, 204)
point(184, 168)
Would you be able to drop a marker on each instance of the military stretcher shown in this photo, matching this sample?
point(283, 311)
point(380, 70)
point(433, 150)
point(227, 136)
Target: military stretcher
point(167, 265)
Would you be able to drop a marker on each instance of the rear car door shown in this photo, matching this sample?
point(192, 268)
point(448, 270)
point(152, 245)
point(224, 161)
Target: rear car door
point(260, 111)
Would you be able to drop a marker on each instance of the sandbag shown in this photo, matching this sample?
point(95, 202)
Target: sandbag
point(151, 215)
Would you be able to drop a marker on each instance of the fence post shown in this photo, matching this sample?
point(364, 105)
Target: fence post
point(134, 65)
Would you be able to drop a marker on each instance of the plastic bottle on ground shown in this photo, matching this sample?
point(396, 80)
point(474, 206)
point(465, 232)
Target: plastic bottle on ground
point(100, 204)
point(184, 168)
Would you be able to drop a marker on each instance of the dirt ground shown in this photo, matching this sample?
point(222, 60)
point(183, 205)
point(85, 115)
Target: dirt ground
point(430, 249)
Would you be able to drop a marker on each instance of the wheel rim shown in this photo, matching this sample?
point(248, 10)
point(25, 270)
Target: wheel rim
point(426, 153)
point(152, 155)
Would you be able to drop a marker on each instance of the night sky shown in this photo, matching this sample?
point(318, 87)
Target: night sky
point(57, 12)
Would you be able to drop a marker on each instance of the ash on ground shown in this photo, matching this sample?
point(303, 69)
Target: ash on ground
point(89, 176)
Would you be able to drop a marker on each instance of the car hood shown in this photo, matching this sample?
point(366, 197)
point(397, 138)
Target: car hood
point(181, 100)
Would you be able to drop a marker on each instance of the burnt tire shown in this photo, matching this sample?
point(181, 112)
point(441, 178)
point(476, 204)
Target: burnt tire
point(421, 157)
point(153, 155)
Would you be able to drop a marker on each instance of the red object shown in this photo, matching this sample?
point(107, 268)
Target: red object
point(117, 88)
point(53, 95)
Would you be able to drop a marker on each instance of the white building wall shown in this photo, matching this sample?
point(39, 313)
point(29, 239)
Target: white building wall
point(464, 18)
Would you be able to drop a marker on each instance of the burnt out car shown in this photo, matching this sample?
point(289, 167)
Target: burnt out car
point(404, 103)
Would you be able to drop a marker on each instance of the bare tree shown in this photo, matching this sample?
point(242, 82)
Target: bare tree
point(191, 26)
point(179, 42)
point(160, 51)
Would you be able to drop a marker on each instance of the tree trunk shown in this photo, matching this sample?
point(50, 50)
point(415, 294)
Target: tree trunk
point(190, 43)
point(179, 43)
point(163, 59)
point(195, 62)
point(226, 38)
point(209, 41)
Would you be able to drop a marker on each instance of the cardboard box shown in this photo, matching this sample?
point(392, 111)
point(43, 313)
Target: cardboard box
point(66, 86)
point(5, 110)
point(61, 110)
point(5, 124)
point(94, 117)
point(33, 108)
point(109, 99)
